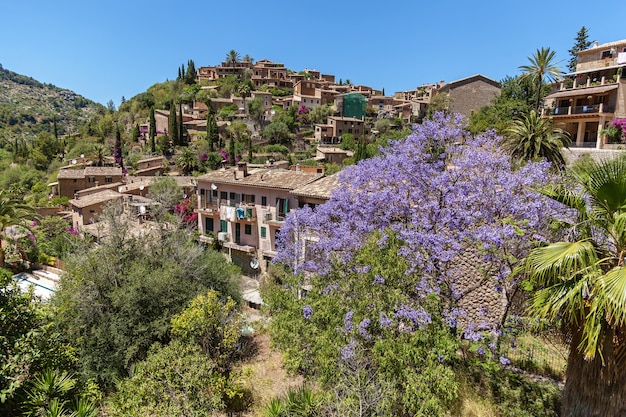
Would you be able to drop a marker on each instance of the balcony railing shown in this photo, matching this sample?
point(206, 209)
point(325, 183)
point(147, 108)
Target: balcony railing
point(570, 110)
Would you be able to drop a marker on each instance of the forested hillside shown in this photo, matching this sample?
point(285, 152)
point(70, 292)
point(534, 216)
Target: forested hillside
point(29, 107)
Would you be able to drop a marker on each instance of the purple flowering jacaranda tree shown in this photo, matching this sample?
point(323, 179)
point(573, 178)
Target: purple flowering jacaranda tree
point(448, 197)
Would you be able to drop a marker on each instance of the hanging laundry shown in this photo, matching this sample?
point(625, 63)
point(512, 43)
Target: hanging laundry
point(241, 212)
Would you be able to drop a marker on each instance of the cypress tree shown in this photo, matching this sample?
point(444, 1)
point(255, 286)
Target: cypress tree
point(361, 150)
point(117, 151)
point(135, 135)
point(173, 124)
point(582, 42)
point(181, 139)
point(152, 131)
point(231, 150)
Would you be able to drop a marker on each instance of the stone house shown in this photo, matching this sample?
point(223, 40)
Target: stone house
point(71, 181)
point(588, 99)
point(470, 94)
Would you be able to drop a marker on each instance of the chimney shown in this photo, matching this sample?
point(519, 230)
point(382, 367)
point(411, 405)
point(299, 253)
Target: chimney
point(595, 44)
point(242, 168)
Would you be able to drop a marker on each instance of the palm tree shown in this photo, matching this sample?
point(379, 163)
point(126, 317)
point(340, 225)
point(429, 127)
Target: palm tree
point(581, 284)
point(541, 68)
point(187, 161)
point(99, 155)
point(244, 90)
point(233, 57)
point(13, 212)
point(532, 138)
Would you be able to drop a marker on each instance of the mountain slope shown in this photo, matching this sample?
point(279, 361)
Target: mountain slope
point(28, 107)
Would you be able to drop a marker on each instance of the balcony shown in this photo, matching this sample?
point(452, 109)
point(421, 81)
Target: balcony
point(207, 207)
point(578, 110)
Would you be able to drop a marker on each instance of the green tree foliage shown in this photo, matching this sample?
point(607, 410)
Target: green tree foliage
point(152, 131)
point(439, 103)
point(393, 372)
point(187, 162)
point(213, 137)
point(541, 68)
point(532, 138)
point(116, 309)
point(56, 393)
point(166, 191)
point(516, 98)
point(320, 114)
point(13, 212)
point(277, 132)
point(55, 237)
point(174, 380)
point(173, 124)
point(581, 42)
point(45, 148)
point(28, 344)
point(580, 284)
point(190, 74)
point(213, 325)
point(256, 110)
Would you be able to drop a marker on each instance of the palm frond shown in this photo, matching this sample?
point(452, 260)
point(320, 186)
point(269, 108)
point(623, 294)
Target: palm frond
point(560, 261)
point(613, 287)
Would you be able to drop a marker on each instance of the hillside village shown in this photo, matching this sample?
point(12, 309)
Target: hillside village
point(239, 180)
point(584, 103)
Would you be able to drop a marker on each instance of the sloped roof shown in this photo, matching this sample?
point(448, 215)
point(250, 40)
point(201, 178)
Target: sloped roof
point(576, 92)
point(471, 78)
point(276, 178)
point(96, 198)
point(321, 188)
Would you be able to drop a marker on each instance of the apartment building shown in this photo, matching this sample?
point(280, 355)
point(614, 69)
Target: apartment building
point(588, 99)
point(244, 209)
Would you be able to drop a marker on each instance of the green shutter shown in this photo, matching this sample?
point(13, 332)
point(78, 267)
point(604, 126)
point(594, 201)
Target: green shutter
point(263, 232)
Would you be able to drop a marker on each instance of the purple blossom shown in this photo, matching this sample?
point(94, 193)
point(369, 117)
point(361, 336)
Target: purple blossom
point(434, 203)
point(203, 157)
point(480, 351)
point(307, 311)
point(347, 322)
point(418, 317)
point(347, 352)
point(363, 325)
point(378, 280)
point(504, 360)
point(385, 322)
point(329, 288)
point(470, 334)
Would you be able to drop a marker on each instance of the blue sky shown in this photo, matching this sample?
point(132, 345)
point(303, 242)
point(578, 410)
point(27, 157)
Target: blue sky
point(106, 50)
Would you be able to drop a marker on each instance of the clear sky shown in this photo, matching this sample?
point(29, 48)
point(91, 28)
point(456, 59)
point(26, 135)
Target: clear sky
point(106, 50)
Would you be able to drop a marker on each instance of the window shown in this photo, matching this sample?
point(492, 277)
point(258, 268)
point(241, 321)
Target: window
point(282, 208)
point(91, 179)
point(263, 200)
point(214, 193)
point(223, 226)
point(248, 198)
point(248, 229)
point(108, 179)
point(607, 54)
point(223, 195)
point(208, 225)
point(263, 232)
